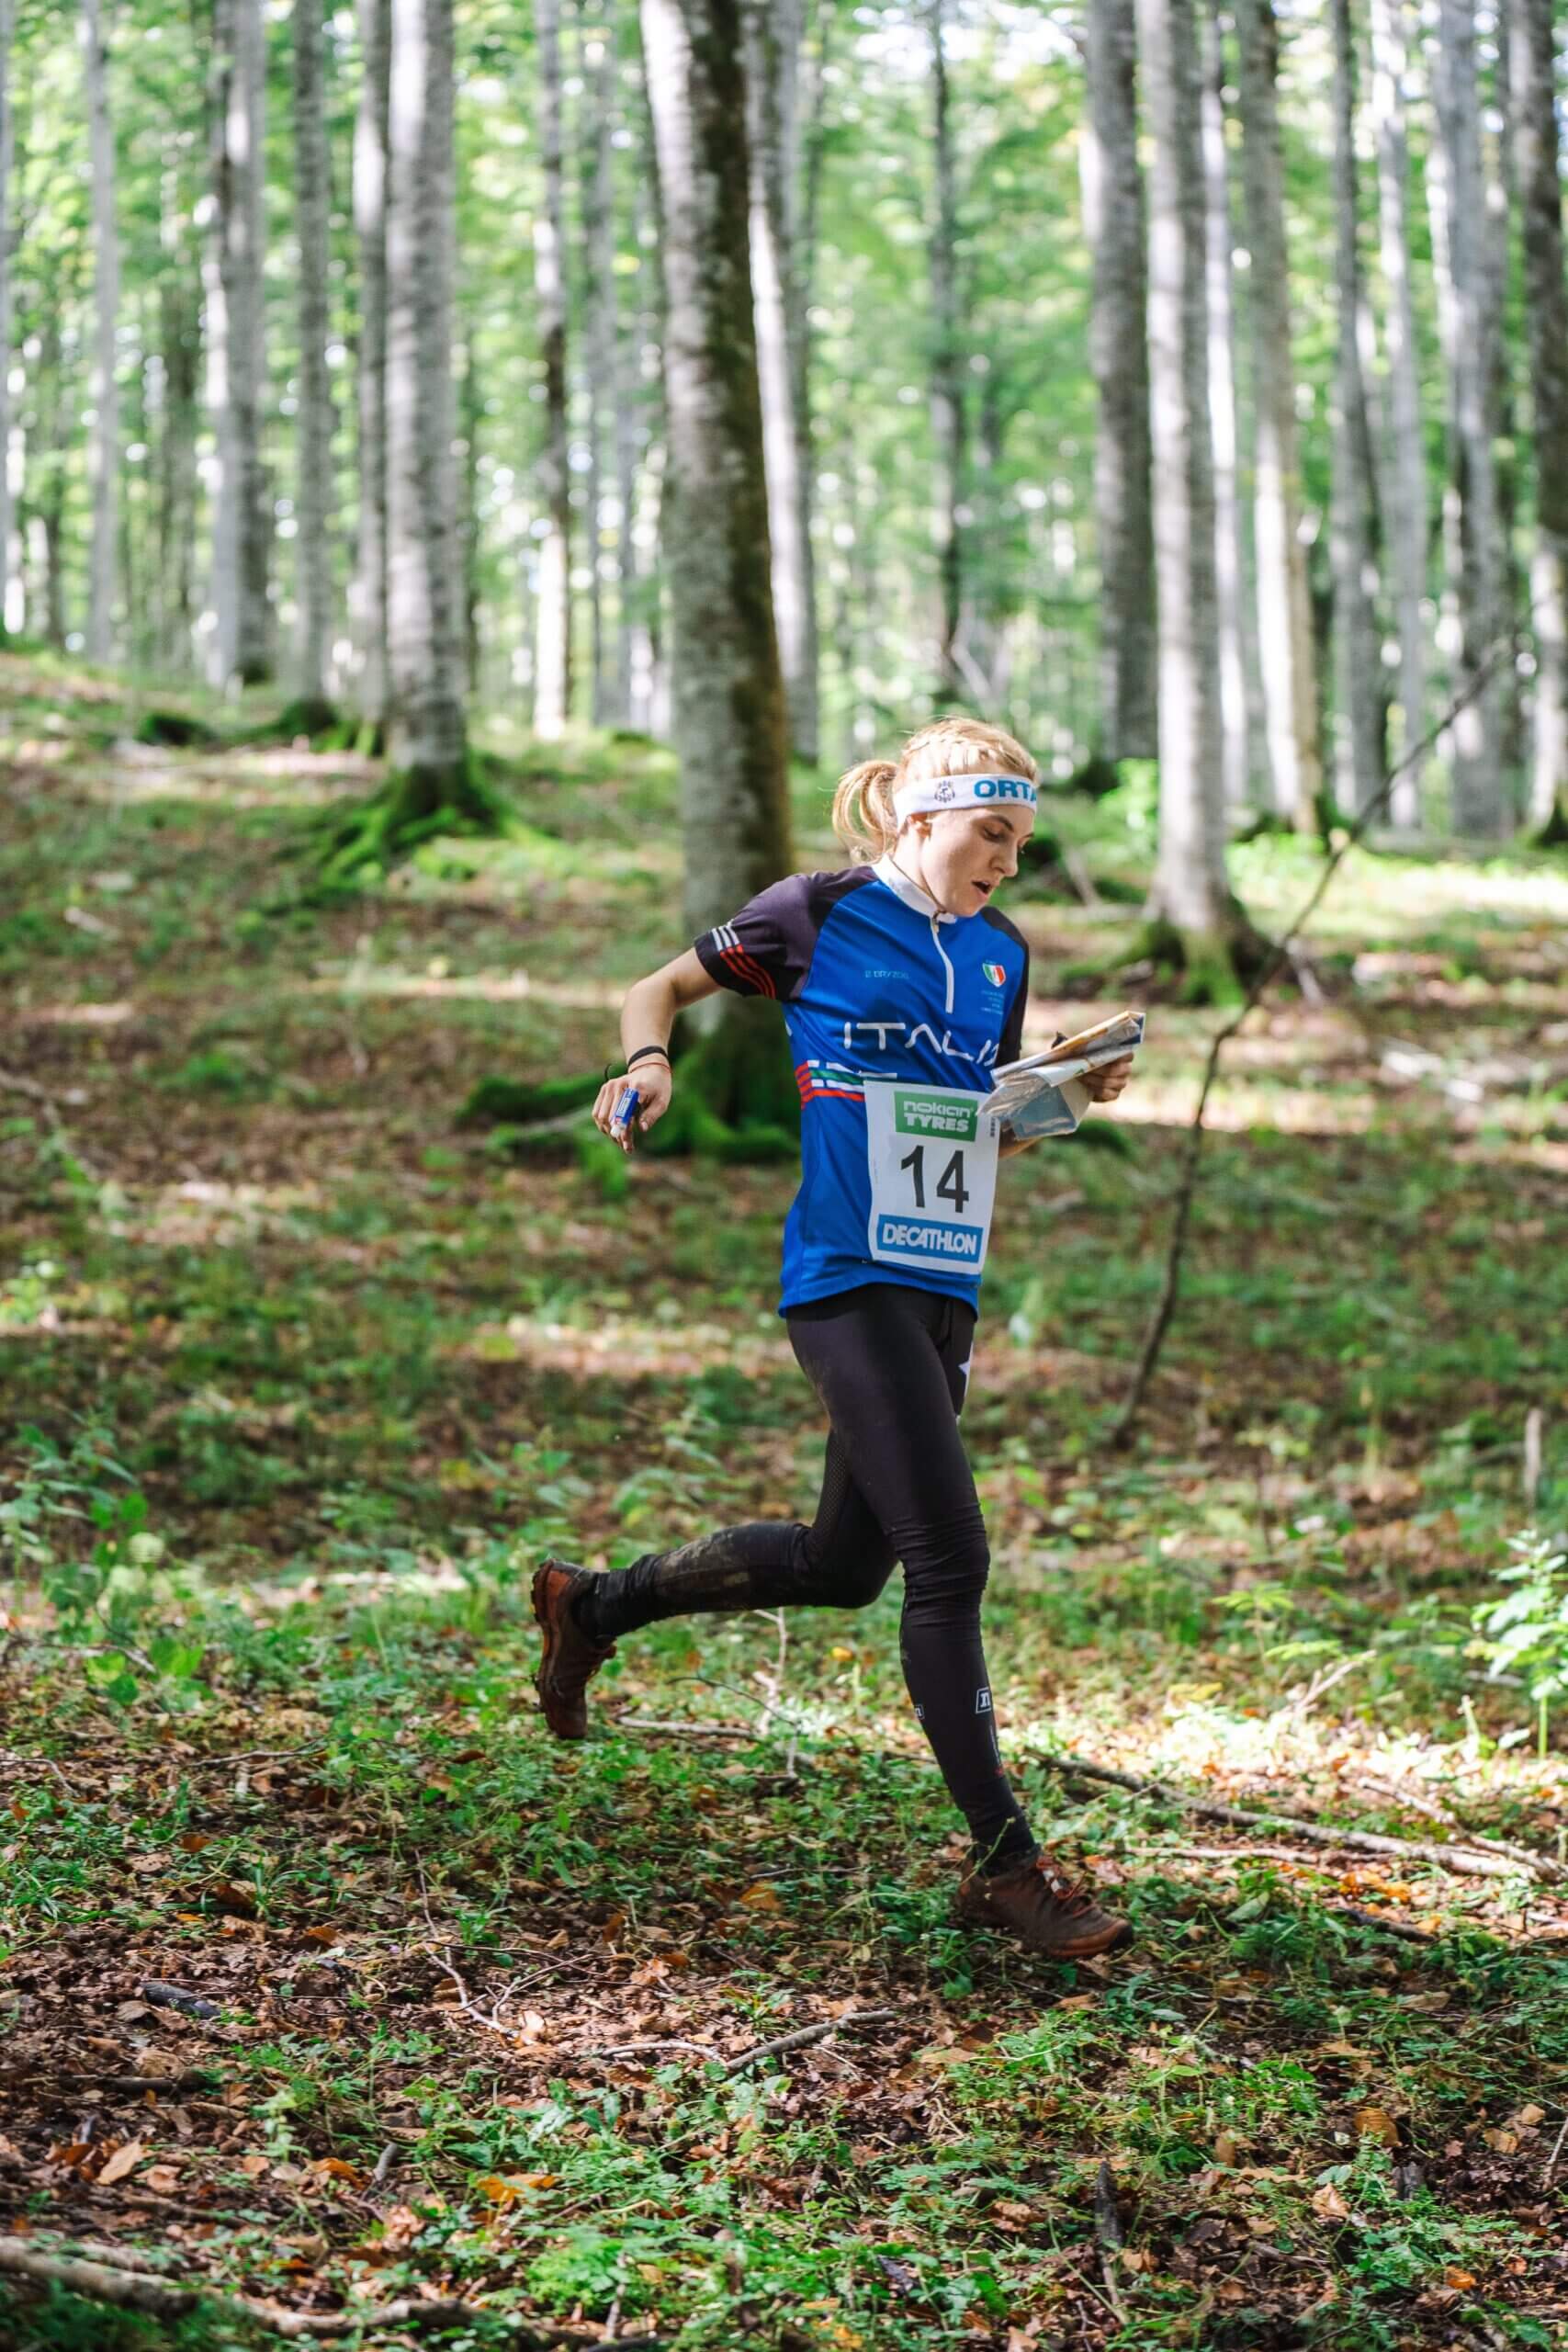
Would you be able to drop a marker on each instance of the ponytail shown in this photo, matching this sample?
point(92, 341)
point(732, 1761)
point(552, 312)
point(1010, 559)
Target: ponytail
point(863, 809)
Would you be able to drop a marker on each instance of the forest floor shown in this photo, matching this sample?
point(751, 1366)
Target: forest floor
point(329, 1984)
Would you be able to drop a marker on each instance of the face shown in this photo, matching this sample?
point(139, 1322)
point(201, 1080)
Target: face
point(965, 855)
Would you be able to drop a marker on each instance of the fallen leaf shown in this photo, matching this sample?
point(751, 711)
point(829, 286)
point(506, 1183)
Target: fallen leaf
point(1328, 2205)
point(335, 2169)
point(226, 1896)
point(124, 2160)
point(1226, 2148)
point(761, 1896)
point(255, 2166)
point(164, 2180)
point(1377, 2123)
point(1503, 2142)
point(193, 1841)
point(1455, 2278)
point(1526, 2118)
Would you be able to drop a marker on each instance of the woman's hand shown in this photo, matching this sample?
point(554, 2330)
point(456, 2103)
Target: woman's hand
point(654, 1086)
point(1107, 1082)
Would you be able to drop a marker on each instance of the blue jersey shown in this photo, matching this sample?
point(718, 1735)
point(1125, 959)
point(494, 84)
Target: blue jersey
point(875, 982)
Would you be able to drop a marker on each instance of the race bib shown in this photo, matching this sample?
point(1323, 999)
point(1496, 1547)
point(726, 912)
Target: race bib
point(932, 1156)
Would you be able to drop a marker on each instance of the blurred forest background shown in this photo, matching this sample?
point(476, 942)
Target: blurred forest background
point(473, 475)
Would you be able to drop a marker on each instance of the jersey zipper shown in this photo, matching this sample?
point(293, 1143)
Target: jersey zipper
point(936, 942)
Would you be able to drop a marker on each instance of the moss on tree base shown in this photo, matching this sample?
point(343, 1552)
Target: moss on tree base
point(413, 806)
point(1206, 967)
point(1553, 834)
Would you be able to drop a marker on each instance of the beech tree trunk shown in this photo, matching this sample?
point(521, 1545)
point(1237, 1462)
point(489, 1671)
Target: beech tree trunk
point(947, 378)
point(313, 570)
point(603, 365)
point(368, 598)
point(729, 716)
point(1480, 797)
point(7, 601)
point(427, 738)
point(1359, 718)
point(1404, 505)
point(242, 633)
point(1236, 649)
point(103, 442)
point(1284, 611)
point(1532, 68)
point(1190, 891)
point(1113, 185)
point(552, 666)
point(774, 33)
point(179, 346)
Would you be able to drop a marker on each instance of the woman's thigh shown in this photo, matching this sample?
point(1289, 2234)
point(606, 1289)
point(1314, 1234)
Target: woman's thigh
point(890, 1365)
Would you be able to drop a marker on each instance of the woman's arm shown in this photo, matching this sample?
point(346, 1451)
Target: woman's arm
point(647, 1015)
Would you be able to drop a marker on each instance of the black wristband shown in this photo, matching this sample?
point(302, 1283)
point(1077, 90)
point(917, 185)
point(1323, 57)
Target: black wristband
point(642, 1053)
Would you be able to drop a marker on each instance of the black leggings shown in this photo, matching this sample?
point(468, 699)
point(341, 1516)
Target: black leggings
point(890, 1365)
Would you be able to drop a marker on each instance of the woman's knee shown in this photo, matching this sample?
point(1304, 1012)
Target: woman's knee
point(830, 1581)
point(946, 1567)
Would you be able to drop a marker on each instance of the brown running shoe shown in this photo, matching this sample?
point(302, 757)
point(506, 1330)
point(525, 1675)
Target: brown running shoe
point(570, 1660)
point(1045, 1909)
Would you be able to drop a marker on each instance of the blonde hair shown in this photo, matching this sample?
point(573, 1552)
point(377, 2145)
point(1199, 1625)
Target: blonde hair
point(863, 817)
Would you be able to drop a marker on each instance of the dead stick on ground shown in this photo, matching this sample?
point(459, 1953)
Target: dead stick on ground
point(1459, 1859)
point(807, 2033)
point(1552, 2160)
point(138, 2291)
point(1165, 1307)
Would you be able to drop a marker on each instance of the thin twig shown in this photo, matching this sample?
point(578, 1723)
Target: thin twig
point(1164, 1306)
point(805, 2034)
point(1552, 2160)
point(688, 1730)
point(1321, 1684)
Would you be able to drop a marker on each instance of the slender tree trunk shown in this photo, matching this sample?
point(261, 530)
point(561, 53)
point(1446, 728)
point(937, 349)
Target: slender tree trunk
point(424, 602)
point(102, 447)
point(179, 342)
point(367, 600)
point(243, 633)
point(311, 195)
point(774, 32)
point(1532, 69)
point(1480, 802)
point(731, 726)
point(7, 601)
point(597, 56)
point(1359, 717)
point(552, 669)
point(1405, 464)
point(1191, 892)
point(1236, 701)
point(947, 376)
point(1284, 610)
point(1118, 345)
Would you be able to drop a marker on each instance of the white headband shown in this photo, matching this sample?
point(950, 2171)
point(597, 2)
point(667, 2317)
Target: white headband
point(962, 792)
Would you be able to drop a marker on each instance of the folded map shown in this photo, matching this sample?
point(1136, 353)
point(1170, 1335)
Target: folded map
point(1045, 1094)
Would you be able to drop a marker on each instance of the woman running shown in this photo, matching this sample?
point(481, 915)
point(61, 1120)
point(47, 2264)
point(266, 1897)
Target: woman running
point(902, 989)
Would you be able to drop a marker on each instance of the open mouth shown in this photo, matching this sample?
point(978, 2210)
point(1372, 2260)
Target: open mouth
point(985, 888)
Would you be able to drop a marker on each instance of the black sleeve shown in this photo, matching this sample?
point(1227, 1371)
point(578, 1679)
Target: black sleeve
point(766, 949)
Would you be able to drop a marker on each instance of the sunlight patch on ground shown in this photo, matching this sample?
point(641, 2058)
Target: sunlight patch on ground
point(202, 1213)
point(623, 1349)
point(277, 779)
point(491, 988)
point(78, 1016)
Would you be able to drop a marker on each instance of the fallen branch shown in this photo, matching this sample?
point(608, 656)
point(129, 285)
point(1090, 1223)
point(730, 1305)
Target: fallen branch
point(805, 2034)
point(1463, 1861)
point(132, 2289)
point(688, 1730)
point(1380, 1919)
point(174, 1996)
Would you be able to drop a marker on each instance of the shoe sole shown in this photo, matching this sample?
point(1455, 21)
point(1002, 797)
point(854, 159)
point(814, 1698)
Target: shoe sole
point(541, 1618)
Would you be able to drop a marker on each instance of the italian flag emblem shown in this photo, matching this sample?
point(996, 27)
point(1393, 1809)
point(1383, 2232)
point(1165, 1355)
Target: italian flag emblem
point(994, 973)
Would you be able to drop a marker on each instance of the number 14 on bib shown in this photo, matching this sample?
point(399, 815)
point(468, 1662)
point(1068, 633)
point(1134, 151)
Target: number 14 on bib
point(931, 1154)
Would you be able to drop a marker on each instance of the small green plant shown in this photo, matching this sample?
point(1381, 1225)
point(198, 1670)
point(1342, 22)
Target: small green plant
point(1525, 1634)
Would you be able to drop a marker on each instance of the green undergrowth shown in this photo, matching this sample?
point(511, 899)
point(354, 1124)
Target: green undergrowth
point(300, 1373)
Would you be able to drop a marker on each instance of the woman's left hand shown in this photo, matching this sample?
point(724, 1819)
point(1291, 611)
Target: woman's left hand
point(1106, 1083)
